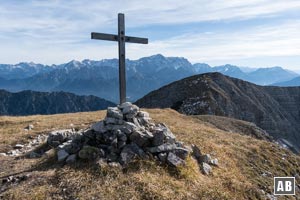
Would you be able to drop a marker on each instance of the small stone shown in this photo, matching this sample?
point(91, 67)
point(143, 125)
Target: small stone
point(3, 154)
point(29, 127)
point(62, 155)
point(114, 164)
point(214, 162)
point(205, 168)
point(71, 158)
point(162, 157)
point(18, 146)
point(174, 160)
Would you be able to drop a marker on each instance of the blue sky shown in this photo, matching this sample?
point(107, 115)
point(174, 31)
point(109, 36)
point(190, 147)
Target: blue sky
point(255, 33)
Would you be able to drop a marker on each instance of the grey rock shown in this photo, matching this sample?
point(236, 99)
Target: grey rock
point(129, 128)
point(62, 155)
point(162, 157)
point(124, 105)
point(57, 137)
point(174, 160)
point(70, 147)
point(214, 162)
point(114, 112)
point(143, 114)
point(205, 168)
point(71, 158)
point(99, 127)
point(110, 120)
point(158, 138)
point(131, 109)
point(162, 148)
point(141, 138)
point(205, 158)
point(18, 146)
point(130, 152)
point(181, 152)
point(3, 154)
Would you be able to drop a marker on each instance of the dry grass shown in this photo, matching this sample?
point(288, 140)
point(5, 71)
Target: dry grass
point(243, 160)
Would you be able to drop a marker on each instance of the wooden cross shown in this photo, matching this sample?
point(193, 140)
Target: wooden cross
point(121, 39)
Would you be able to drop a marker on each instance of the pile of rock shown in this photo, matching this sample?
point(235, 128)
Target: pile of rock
point(125, 134)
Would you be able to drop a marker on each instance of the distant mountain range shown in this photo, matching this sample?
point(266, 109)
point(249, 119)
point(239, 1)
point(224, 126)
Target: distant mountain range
point(290, 83)
point(29, 103)
point(274, 109)
point(100, 78)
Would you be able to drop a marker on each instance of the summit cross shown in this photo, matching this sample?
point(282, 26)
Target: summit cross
point(121, 38)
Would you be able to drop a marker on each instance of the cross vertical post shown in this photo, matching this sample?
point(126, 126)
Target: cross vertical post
point(122, 71)
point(121, 38)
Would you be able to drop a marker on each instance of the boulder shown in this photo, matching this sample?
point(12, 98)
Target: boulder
point(174, 160)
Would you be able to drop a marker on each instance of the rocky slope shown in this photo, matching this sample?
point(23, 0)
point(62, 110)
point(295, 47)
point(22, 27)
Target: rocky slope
point(30, 102)
point(274, 109)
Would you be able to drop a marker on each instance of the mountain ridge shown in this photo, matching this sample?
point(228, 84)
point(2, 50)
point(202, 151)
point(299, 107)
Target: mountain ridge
point(100, 78)
point(31, 102)
point(271, 108)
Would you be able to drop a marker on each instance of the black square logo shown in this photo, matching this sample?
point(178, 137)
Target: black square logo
point(284, 185)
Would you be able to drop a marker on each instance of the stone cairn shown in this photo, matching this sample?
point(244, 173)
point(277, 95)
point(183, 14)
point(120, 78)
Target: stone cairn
point(125, 134)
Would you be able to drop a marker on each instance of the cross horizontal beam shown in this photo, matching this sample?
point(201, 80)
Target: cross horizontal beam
point(112, 37)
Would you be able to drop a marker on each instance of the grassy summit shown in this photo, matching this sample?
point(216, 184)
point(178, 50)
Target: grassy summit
point(246, 168)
